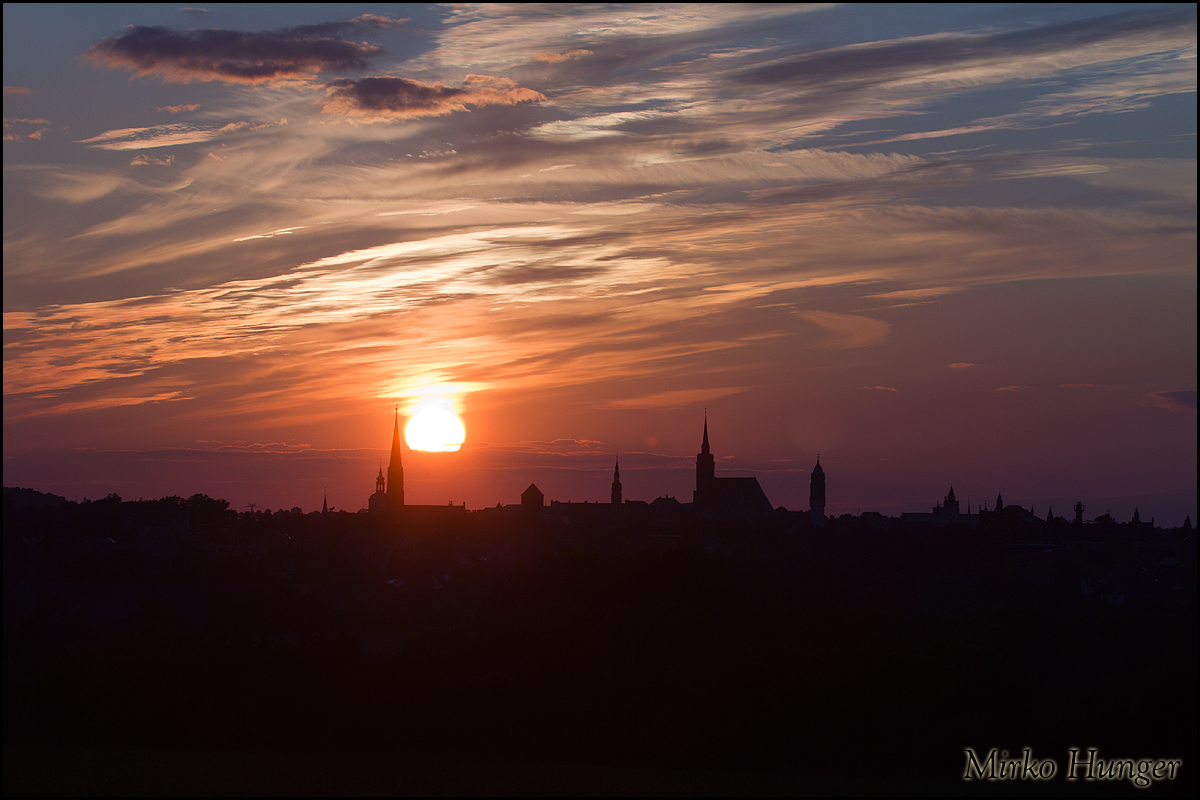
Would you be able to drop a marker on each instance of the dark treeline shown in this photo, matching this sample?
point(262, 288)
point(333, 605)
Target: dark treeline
point(748, 645)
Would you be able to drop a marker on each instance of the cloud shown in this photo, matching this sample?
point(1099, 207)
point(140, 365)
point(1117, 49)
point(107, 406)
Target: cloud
point(556, 58)
point(142, 160)
point(16, 130)
point(167, 135)
point(1009, 388)
point(848, 330)
point(943, 56)
point(1176, 401)
point(881, 388)
point(287, 54)
point(179, 109)
point(675, 399)
point(962, 365)
point(17, 90)
point(385, 97)
point(154, 136)
point(917, 294)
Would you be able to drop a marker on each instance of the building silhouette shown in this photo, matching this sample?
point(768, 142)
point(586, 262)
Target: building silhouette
point(378, 502)
point(725, 496)
point(395, 473)
point(816, 495)
point(616, 484)
point(947, 510)
point(532, 500)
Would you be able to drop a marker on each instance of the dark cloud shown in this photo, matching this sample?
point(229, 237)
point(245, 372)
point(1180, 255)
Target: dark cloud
point(239, 56)
point(864, 66)
point(385, 97)
point(395, 95)
point(1176, 400)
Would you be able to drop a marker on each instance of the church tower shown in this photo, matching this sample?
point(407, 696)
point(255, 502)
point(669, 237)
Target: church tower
point(395, 473)
point(706, 470)
point(816, 495)
point(377, 504)
point(616, 484)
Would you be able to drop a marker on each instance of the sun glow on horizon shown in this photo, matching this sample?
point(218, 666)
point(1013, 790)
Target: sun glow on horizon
point(436, 428)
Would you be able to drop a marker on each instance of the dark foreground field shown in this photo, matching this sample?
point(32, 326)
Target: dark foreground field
point(771, 668)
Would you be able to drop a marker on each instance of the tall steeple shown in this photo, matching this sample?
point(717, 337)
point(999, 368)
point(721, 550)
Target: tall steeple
point(816, 494)
point(325, 502)
point(706, 470)
point(395, 473)
point(616, 484)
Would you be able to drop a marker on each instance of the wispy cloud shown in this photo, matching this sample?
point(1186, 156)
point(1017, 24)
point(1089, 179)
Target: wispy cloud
point(848, 330)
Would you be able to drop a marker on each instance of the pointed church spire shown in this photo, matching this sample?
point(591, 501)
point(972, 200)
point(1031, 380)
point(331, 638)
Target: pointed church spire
point(395, 460)
point(615, 498)
point(325, 502)
point(395, 473)
point(704, 444)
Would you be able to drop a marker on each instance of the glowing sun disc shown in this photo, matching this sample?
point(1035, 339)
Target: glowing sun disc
point(434, 429)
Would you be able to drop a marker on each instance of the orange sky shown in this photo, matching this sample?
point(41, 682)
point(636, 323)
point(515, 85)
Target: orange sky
point(937, 244)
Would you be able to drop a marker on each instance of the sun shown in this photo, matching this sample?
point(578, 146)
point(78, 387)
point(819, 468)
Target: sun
point(434, 428)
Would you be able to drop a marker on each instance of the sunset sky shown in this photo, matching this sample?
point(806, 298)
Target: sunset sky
point(948, 244)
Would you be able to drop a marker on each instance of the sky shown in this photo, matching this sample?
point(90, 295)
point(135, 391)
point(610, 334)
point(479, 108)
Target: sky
point(939, 245)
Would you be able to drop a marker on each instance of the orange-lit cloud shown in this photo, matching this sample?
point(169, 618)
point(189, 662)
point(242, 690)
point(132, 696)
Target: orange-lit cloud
point(142, 160)
point(179, 109)
point(383, 97)
point(555, 58)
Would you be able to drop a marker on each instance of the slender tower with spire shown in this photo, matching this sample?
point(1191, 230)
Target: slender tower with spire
point(616, 484)
point(395, 473)
point(706, 470)
point(816, 495)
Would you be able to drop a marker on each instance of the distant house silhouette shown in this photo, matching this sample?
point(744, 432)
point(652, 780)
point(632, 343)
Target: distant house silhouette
point(725, 495)
point(532, 500)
